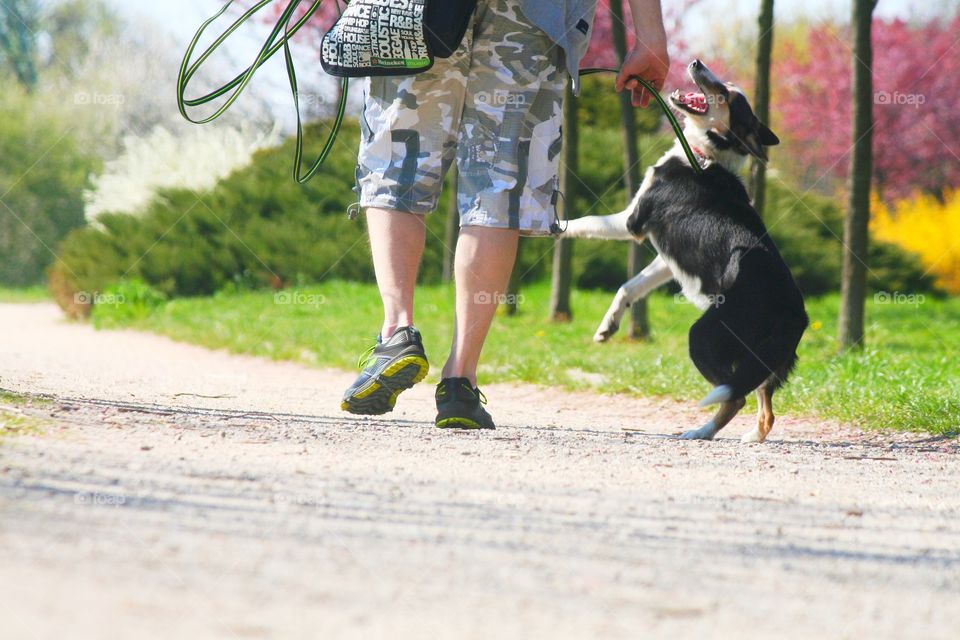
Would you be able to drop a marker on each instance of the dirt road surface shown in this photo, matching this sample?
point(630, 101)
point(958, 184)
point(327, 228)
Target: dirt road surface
point(167, 491)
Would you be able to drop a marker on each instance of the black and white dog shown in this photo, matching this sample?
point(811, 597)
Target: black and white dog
point(712, 241)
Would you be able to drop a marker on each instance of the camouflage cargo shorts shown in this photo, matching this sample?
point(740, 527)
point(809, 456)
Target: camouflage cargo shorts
point(495, 107)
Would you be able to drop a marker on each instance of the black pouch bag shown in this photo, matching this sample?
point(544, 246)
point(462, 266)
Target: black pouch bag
point(394, 37)
point(446, 23)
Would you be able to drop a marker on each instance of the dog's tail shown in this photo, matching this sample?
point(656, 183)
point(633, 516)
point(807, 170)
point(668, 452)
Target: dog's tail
point(770, 364)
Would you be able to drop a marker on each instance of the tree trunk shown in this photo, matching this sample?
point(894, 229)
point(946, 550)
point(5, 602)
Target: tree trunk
point(853, 289)
point(758, 170)
point(453, 228)
point(639, 327)
point(563, 248)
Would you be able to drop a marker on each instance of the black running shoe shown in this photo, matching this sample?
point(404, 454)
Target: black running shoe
point(460, 406)
point(389, 368)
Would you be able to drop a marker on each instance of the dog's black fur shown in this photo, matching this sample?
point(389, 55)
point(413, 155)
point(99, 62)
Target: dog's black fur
point(704, 223)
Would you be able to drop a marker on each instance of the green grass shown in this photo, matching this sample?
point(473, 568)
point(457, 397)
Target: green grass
point(907, 378)
point(13, 421)
point(28, 294)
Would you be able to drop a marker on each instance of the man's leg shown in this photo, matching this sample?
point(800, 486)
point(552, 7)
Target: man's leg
point(396, 242)
point(507, 156)
point(484, 260)
point(398, 360)
point(409, 130)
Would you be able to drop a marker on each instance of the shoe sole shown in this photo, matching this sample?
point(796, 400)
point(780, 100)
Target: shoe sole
point(460, 423)
point(380, 394)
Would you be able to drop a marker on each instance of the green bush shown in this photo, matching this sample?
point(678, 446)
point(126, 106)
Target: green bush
point(256, 225)
point(43, 172)
point(808, 229)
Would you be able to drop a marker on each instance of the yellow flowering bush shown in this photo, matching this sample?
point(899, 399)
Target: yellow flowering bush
point(927, 227)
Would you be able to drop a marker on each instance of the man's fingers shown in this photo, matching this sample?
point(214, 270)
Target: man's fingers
point(640, 97)
point(625, 81)
point(646, 65)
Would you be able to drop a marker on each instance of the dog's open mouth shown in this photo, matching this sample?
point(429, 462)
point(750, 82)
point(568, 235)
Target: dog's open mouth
point(692, 102)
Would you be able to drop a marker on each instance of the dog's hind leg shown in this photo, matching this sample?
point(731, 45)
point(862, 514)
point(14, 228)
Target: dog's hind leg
point(713, 352)
point(713, 349)
point(726, 413)
point(654, 275)
point(765, 415)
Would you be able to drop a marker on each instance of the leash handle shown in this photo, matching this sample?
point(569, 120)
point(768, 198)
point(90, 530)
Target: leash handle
point(239, 83)
point(672, 119)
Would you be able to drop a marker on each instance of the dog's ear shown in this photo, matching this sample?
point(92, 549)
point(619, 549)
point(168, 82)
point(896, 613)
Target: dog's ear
point(752, 144)
point(767, 137)
point(757, 140)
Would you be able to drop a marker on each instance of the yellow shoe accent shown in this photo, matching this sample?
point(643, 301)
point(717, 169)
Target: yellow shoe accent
point(458, 423)
point(404, 362)
point(363, 394)
point(388, 385)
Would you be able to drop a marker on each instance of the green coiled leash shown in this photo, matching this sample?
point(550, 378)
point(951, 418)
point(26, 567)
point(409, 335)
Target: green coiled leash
point(239, 83)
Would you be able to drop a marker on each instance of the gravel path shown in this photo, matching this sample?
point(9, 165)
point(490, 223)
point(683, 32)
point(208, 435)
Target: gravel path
point(168, 491)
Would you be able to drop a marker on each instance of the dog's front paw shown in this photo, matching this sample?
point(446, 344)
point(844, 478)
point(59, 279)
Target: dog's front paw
point(605, 332)
point(752, 436)
point(706, 432)
point(603, 335)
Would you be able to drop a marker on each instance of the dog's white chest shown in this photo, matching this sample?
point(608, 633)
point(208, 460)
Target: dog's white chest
point(689, 284)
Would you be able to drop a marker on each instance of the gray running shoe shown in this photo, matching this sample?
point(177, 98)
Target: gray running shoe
point(460, 406)
point(389, 368)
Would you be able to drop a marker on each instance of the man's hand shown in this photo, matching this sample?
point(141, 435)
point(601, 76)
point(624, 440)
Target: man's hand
point(649, 64)
point(648, 59)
